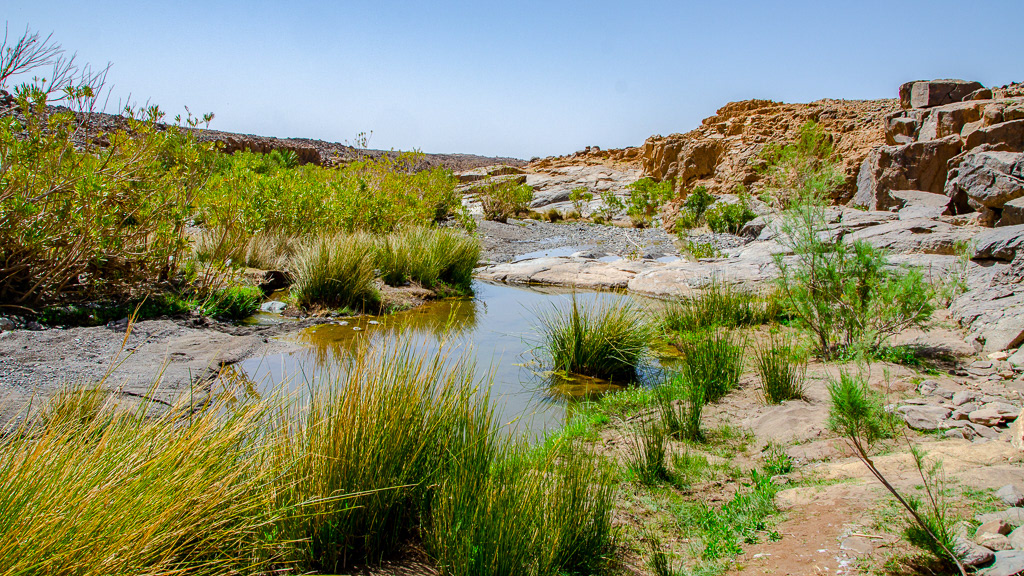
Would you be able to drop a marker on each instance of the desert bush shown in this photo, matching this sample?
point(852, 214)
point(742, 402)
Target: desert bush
point(847, 295)
point(730, 216)
point(335, 272)
point(504, 199)
point(645, 197)
point(600, 339)
point(580, 198)
point(711, 360)
point(553, 215)
point(720, 304)
point(612, 207)
point(782, 369)
point(694, 208)
point(858, 416)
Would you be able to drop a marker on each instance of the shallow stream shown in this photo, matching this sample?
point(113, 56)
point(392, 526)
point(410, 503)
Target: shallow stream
point(498, 327)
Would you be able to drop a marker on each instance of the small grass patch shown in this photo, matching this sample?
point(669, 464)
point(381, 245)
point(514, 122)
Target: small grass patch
point(96, 314)
point(722, 305)
point(600, 339)
point(645, 453)
point(782, 368)
point(233, 302)
point(681, 402)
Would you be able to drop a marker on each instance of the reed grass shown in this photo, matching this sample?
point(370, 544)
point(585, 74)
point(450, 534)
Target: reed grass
point(712, 360)
point(600, 339)
point(335, 272)
point(681, 403)
point(720, 305)
point(232, 247)
point(782, 369)
point(88, 490)
point(428, 256)
point(645, 453)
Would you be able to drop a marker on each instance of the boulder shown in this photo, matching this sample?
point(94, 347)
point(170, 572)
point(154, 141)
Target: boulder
point(1012, 516)
point(989, 178)
point(1007, 563)
point(914, 166)
point(1017, 538)
point(993, 414)
point(971, 554)
point(1017, 432)
point(1013, 213)
point(1010, 495)
point(949, 119)
point(929, 93)
point(913, 236)
point(979, 94)
point(994, 526)
point(924, 417)
point(920, 204)
point(999, 243)
point(1005, 135)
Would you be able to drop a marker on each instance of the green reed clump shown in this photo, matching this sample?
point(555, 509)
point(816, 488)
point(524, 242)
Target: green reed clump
point(681, 403)
point(598, 338)
point(645, 453)
point(524, 516)
point(91, 491)
point(233, 302)
point(231, 247)
point(335, 272)
point(428, 256)
point(782, 368)
point(712, 361)
point(720, 304)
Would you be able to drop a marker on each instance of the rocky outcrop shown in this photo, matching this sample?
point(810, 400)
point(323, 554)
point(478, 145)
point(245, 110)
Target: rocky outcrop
point(988, 179)
point(928, 93)
point(914, 166)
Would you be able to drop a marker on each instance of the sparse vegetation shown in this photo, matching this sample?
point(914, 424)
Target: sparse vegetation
point(580, 197)
point(233, 302)
point(681, 403)
point(730, 216)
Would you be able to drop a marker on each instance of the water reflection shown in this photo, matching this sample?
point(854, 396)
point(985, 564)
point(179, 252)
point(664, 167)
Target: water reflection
point(496, 328)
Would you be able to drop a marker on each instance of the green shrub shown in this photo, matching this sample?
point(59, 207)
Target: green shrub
point(233, 302)
point(613, 207)
point(598, 339)
point(847, 295)
point(580, 198)
point(98, 313)
point(645, 197)
point(720, 304)
point(805, 172)
point(730, 217)
point(504, 199)
point(698, 250)
point(711, 360)
point(857, 410)
point(782, 369)
point(335, 272)
point(694, 208)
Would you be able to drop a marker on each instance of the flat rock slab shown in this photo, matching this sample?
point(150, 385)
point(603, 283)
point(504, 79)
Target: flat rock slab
point(34, 365)
point(566, 271)
point(1007, 563)
point(683, 278)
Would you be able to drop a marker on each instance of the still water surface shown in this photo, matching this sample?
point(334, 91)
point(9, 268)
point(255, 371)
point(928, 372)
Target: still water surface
point(497, 327)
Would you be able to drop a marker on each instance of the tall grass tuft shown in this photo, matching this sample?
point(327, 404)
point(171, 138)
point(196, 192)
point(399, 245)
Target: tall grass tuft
point(230, 247)
point(712, 360)
point(782, 369)
point(88, 490)
point(428, 256)
point(681, 403)
point(598, 339)
point(720, 305)
point(524, 517)
point(645, 453)
point(335, 272)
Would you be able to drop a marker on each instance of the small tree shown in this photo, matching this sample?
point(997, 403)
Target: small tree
point(580, 198)
point(645, 197)
point(858, 416)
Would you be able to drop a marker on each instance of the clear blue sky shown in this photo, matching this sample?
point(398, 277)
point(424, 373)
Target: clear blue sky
point(519, 78)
